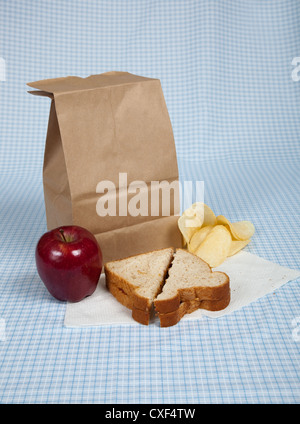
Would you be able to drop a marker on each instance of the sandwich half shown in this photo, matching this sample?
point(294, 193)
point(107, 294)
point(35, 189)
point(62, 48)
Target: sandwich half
point(136, 281)
point(190, 285)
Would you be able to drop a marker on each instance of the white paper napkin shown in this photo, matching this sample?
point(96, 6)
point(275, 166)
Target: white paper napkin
point(251, 277)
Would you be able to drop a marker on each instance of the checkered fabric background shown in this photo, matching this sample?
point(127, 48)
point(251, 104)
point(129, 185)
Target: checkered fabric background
point(226, 72)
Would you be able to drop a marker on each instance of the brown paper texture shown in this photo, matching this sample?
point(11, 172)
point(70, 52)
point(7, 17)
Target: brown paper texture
point(99, 127)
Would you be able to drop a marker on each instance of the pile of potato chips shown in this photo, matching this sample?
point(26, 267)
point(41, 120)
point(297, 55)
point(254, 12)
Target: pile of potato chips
point(213, 238)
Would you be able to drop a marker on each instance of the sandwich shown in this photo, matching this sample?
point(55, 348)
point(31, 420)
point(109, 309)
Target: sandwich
point(171, 283)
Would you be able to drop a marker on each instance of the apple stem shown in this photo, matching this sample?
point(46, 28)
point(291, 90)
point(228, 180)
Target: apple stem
point(62, 234)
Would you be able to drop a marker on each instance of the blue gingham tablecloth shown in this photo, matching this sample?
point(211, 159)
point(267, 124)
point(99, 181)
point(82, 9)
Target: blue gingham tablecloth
point(226, 71)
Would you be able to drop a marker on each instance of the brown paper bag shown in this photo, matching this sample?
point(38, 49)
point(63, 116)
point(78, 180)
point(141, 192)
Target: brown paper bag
point(109, 128)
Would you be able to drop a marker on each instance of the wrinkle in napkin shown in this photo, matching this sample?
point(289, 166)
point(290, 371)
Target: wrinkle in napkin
point(251, 277)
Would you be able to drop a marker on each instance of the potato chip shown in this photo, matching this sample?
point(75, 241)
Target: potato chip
point(242, 230)
point(209, 217)
point(213, 238)
point(198, 238)
point(191, 220)
point(216, 246)
point(237, 245)
point(196, 216)
point(186, 228)
point(185, 231)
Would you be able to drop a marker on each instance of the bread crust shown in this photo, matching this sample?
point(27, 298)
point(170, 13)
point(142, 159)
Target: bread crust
point(119, 294)
point(143, 317)
point(139, 315)
point(172, 318)
point(114, 281)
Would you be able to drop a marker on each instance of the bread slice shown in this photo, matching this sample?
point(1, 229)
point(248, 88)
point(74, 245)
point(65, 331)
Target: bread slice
point(136, 281)
point(190, 285)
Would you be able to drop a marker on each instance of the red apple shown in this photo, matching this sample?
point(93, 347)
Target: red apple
point(69, 262)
